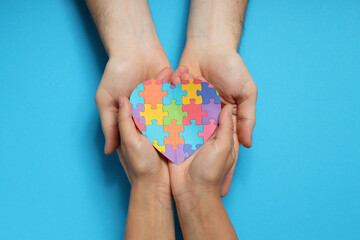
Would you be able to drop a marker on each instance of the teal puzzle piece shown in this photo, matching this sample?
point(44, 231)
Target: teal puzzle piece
point(135, 99)
point(155, 132)
point(174, 93)
point(190, 134)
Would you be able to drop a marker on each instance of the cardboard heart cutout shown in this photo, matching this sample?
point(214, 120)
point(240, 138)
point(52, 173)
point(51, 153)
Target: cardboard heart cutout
point(179, 119)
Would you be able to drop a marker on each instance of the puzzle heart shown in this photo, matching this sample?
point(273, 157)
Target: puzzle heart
point(176, 119)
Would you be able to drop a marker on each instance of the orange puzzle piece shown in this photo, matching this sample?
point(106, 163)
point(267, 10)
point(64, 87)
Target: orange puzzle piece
point(174, 137)
point(153, 93)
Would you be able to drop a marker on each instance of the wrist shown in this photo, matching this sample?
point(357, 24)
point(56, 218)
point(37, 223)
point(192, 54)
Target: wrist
point(194, 199)
point(152, 194)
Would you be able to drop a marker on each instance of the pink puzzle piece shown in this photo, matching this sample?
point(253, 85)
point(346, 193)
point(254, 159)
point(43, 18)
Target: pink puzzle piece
point(208, 130)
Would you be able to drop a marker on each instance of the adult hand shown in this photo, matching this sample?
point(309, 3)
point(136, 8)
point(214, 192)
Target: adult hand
point(196, 184)
point(150, 205)
point(121, 76)
point(135, 55)
point(142, 163)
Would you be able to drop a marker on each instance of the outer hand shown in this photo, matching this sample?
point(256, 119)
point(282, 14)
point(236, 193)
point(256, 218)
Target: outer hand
point(121, 76)
point(224, 69)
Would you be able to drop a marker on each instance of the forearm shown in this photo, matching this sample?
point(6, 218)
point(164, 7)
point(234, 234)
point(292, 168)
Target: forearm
point(204, 217)
point(216, 22)
point(122, 22)
point(150, 214)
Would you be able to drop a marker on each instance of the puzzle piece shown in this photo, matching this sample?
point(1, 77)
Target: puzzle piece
point(153, 92)
point(208, 93)
point(153, 114)
point(188, 149)
point(176, 155)
point(191, 86)
point(208, 130)
point(141, 127)
point(153, 81)
point(174, 92)
point(174, 112)
point(193, 112)
point(212, 110)
point(160, 148)
point(190, 137)
point(174, 137)
point(155, 132)
point(136, 113)
point(135, 99)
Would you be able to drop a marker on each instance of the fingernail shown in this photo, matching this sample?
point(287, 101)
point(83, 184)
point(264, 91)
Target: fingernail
point(121, 101)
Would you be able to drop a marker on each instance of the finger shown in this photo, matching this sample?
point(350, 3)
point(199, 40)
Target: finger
point(224, 131)
point(164, 75)
point(228, 179)
point(246, 117)
point(186, 76)
point(108, 116)
point(126, 124)
point(175, 79)
point(123, 162)
point(201, 78)
point(229, 176)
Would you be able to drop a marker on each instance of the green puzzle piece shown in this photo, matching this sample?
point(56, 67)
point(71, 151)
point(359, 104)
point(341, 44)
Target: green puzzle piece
point(175, 112)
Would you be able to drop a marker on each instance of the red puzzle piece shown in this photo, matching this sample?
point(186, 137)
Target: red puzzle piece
point(194, 112)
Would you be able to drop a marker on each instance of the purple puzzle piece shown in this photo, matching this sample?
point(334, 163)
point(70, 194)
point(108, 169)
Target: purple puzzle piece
point(136, 113)
point(213, 110)
point(176, 155)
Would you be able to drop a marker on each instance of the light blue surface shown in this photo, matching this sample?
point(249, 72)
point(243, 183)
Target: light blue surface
point(301, 179)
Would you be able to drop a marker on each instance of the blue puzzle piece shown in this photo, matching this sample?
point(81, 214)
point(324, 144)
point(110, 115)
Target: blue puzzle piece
point(135, 99)
point(174, 93)
point(208, 93)
point(190, 137)
point(187, 149)
point(155, 132)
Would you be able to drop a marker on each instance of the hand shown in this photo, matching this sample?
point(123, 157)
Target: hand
point(196, 185)
point(224, 68)
point(150, 205)
point(122, 74)
point(142, 163)
point(204, 170)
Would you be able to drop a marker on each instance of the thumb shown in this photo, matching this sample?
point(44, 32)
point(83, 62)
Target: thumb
point(108, 116)
point(126, 124)
point(224, 132)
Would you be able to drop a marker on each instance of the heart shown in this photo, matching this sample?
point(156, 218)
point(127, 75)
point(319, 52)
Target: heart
point(179, 119)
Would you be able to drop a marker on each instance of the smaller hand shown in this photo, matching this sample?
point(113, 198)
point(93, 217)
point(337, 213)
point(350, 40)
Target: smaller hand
point(204, 171)
point(141, 161)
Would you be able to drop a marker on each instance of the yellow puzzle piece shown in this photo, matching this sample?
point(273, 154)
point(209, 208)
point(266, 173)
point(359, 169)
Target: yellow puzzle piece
point(191, 90)
point(158, 147)
point(153, 114)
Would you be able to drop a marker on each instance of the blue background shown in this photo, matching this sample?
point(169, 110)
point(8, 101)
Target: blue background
point(300, 180)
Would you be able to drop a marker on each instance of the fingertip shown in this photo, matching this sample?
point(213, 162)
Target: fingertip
point(185, 76)
point(111, 143)
point(165, 74)
point(245, 134)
